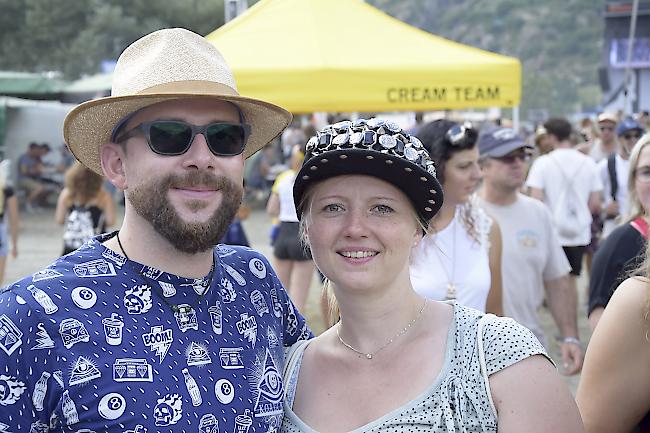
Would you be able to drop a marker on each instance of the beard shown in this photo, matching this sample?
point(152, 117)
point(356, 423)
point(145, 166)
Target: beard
point(151, 202)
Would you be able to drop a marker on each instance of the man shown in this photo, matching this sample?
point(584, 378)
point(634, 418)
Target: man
point(606, 144)
point(152, 328)
point(567, 182)
point(533, 262)
point(30, 170)
point(614, 172)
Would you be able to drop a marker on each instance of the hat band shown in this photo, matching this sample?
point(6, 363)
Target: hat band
point(190, 86)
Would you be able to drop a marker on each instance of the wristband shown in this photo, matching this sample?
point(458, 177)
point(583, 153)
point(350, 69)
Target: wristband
point(572, 340)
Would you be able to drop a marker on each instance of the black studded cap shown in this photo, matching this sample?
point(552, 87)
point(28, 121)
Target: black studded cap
point(372, 147)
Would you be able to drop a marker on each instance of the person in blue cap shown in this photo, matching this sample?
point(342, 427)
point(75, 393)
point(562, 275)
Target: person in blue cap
point(614, 172)
point(534, 266)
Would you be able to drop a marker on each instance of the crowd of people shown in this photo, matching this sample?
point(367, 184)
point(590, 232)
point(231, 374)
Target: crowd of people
point(437, 246)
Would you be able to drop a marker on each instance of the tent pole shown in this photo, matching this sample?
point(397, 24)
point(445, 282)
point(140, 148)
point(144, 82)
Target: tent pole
point(515, 117)
point(628, 57)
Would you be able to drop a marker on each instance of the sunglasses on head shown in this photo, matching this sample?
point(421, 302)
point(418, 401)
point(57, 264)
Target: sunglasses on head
point(174, 137)
point(510, 158)
point(461, 135)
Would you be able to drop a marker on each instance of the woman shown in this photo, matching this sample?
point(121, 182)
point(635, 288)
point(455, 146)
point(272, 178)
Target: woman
point(622, 250)
point(460, 258)
point(84, 207)
point(365, 194)
point(8, 219)
point(614, 390)
point(292, 262)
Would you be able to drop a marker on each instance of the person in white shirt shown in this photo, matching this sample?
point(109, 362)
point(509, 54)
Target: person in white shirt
point(460, 256)
point(533, 263)
point(614, 174)
point(567, 181)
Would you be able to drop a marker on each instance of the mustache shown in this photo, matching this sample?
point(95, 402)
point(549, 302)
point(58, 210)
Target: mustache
point(203, 179)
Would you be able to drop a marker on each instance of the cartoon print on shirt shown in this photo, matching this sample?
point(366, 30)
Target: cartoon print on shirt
point(257, 267)
point(137, 299)
point(104, 348)
point(69, 409)
point(4, 428)
point(10, 389)
point(267, 382)
point(43, 299)
point(224, 391)
point(39, 427)
point(83, 370)
point(132, 370)
point(227, 292)
point(292, 320)
point(160, 340)
point(186, 318)
point(73, 331)
point(111, 406)
point(20, 300)
point(46, 274)
point(275, 302)
point(247, 326)
point(84, 297)
point(94, 268)
point(208, 424)
point(168, 289)
point(258, 301)
point(192, 388)
point(151, 273)
point(113, 329)
point(116, 258)
point(197, 354)
point(40, 389)
point(239, 279)
point(168, 410)
point(43, 339)
point(216, 318)
point(230, 358)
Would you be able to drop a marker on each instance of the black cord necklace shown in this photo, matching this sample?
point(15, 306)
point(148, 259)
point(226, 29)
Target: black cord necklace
point(175, 308)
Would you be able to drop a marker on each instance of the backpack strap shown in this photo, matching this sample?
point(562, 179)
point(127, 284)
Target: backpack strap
point(640, 225)
point(611, 169)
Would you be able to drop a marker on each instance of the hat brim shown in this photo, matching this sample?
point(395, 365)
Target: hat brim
point(506, 148)
point(421, 187)
point(89, 125)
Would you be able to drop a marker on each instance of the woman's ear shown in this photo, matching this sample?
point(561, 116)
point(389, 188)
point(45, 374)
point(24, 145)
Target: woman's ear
point(113, 157)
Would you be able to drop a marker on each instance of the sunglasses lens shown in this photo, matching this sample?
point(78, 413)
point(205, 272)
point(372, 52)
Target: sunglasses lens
point(631, 136)
point(169, 138)
point(226, 139)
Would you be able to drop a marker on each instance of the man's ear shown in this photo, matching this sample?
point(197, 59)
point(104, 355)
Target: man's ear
point(113, 157)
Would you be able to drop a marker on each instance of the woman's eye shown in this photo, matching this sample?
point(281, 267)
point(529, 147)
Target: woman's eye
point(382, 208)
point(333, 208)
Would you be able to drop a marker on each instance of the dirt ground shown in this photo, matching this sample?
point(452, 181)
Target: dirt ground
point(40, 242)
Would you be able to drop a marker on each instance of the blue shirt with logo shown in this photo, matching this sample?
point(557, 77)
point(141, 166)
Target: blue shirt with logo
point(92, 344)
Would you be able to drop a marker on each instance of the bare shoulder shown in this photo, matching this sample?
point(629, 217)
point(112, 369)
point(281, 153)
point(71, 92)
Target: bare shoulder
point(631, 297)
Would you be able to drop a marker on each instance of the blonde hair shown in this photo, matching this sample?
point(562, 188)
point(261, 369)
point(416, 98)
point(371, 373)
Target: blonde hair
point(636, 210)
point(82, 183)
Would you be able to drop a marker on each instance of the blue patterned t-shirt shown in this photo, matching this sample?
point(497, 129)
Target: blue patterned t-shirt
point(90, 345)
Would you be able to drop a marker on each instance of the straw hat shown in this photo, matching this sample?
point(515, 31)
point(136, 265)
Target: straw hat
point(165, 65)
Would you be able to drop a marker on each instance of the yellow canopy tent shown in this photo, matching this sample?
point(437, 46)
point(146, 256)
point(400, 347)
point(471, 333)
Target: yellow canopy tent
point(345, 55)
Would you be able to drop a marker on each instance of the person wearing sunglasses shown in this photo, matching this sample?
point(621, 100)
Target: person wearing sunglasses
point(155, 327)
point(614, 172)
point(605, 143)
point(534, 266)
point(460, 257)
point(613, 393)
point(395, 361)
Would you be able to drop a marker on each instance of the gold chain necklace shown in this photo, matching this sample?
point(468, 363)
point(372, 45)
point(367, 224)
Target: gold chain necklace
point(370, 355)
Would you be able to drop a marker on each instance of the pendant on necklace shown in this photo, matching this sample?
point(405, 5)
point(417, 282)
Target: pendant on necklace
point(451, 291)
point(369, 355)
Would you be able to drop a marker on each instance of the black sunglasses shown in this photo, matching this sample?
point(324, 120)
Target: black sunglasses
point(511, 157)
point(174, 137)
point(461, 135)
point(631, 136)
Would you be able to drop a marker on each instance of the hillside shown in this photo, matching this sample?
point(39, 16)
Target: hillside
point(558, 41)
